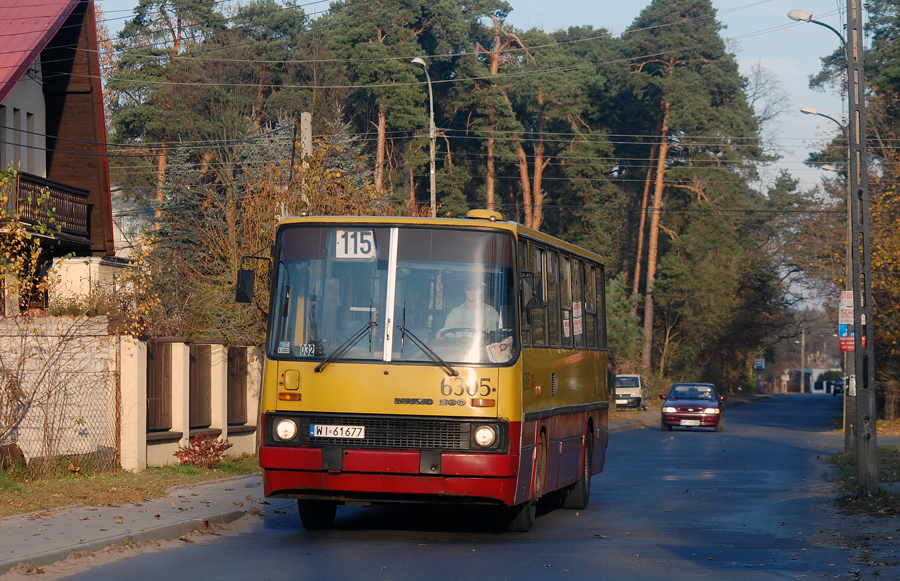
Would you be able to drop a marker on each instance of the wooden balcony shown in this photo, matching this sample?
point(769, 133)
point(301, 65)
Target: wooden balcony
point(71, 206)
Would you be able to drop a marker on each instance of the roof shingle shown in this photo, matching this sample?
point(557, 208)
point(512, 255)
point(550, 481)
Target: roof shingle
point(26, 26)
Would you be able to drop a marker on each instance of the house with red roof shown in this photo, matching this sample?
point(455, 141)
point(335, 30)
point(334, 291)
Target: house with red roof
point(52, 128)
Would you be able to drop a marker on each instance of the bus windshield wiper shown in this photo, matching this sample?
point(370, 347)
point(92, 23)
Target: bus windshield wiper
point(348, 344)
point(421, 345)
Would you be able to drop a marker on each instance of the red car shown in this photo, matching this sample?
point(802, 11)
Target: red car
point(693, 405)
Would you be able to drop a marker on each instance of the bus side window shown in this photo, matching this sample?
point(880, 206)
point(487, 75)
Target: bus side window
point(565, 299)
point(525, 318)
point(601, 306)
point(590, 307)
point(538, 316)
point(578, 302)
point(552, 272)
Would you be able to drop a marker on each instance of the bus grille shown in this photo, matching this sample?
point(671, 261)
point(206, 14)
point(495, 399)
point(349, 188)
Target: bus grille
point(393, 433)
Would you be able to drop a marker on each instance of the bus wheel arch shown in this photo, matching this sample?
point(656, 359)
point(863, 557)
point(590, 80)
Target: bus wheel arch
point(578, 495)
point(520, 518)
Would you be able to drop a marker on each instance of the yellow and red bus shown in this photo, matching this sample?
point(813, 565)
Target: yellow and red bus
point(431, 360)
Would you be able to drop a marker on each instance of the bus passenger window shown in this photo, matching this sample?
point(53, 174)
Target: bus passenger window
point(601, 306)
point(526, 316)
point(590, 307)
point(565, 299)
point(577, 303)
point(538, 316)
point(552, 274)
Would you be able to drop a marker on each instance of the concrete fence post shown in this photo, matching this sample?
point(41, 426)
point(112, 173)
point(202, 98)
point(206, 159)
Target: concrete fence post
point(133, 378)
point(181, 392)
point(218, 385)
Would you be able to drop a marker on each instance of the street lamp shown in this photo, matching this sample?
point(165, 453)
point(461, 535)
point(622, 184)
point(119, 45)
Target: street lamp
point(421, 63)
point(807, 110)
point(861, 248)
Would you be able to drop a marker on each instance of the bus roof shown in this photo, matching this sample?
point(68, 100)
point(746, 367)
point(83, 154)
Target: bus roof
point(475, 219)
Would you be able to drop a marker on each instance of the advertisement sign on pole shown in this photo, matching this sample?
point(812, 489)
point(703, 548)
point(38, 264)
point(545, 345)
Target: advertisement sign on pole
point(845, 321)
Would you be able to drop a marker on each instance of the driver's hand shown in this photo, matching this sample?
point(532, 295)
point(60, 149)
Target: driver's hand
point(439, 336)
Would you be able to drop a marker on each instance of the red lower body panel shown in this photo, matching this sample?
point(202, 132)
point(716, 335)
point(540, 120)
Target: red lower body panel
point(391, 474)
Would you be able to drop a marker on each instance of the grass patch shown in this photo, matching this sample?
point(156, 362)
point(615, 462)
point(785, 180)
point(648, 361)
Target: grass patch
point(886, 502)
point(888, 428)
point(21, 495)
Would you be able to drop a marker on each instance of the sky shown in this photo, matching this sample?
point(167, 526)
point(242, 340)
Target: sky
point(757, 30)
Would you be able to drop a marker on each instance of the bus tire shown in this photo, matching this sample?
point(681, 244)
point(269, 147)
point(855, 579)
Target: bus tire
point(316, 514)
point(520, 518)
point(578, 495)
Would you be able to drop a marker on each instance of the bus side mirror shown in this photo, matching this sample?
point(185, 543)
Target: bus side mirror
point(532, 292)
point(244, 292)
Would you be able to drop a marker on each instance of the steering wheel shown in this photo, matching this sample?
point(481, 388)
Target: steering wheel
point(456, 332)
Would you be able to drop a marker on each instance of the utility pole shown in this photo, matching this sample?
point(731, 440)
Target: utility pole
point(803, 361)
point(861, 252)
point(860, 246)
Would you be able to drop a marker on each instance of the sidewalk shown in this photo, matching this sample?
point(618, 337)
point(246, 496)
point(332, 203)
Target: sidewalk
point(47, 537)
point(43, 538)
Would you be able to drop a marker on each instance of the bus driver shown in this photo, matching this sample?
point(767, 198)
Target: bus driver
point(473, 314)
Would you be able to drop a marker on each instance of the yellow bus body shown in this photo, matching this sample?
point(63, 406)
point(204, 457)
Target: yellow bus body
point(554, 401)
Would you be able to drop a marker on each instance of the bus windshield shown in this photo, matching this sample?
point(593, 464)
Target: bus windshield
point(451, 290)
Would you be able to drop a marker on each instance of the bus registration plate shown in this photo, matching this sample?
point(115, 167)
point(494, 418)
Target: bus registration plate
point(320, 431)
point(690, 422)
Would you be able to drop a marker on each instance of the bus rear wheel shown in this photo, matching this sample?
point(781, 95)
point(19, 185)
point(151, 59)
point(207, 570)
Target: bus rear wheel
point(316, 514)
point(578, 495)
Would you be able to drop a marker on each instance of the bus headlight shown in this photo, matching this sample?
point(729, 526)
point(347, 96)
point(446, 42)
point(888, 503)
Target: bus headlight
point(485, 436)
point(285, 429)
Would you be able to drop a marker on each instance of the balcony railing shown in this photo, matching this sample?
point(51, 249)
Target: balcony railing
point(70, 203)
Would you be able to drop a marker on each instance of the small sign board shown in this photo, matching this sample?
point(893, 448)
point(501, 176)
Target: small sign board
point(847, 299)
point(759, 364)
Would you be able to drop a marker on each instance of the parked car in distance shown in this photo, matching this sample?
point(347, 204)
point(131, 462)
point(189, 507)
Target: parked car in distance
point(693, 405)
point(837, 388)
point(631, 391)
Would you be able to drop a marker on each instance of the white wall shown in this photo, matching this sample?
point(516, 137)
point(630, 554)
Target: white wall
point(23, 124)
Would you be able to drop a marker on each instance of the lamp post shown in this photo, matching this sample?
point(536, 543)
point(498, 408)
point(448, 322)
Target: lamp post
point(849, 362)
point(421, 63)
point(860, 247)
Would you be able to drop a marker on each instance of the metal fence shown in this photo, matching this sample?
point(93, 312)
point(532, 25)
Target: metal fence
point(60, 403)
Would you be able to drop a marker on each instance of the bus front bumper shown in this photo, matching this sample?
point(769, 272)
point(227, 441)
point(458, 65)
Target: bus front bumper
point(388, 475)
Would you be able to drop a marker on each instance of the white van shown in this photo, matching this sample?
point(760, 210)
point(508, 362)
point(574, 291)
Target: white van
point(631, 391)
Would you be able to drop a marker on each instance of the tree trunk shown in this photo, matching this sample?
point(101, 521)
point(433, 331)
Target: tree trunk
point(892, 400)
point(654, 231)
point(540, 163)
point(161, 161)
point(379, 148)
point(489, 178)
point(526, 187)
point(640, 249)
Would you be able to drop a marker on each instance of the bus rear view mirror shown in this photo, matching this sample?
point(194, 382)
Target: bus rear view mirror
point(532, 292)
point(245, 281)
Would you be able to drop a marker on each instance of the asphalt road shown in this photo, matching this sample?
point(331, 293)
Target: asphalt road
point(749, 503)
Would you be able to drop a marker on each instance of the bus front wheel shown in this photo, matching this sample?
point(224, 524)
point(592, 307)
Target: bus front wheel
point(520, 518)
point(317, 514)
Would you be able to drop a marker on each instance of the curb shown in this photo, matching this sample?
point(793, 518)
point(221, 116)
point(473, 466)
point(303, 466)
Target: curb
point(165, 532)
